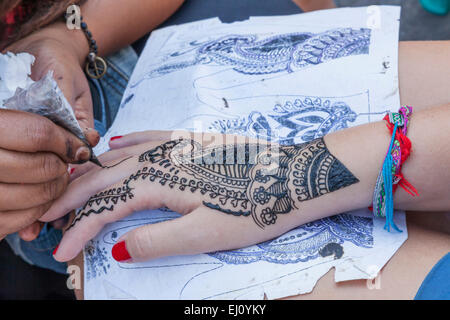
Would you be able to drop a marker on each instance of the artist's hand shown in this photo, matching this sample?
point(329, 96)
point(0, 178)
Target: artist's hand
point(34, 153)
point(231, 191)
point(55, 50)
point(64, 53)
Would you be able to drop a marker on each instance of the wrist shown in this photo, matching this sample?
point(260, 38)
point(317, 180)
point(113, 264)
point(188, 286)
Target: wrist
point(74, 40)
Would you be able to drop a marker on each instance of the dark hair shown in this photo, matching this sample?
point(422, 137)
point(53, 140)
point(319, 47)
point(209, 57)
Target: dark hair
point(38, 13)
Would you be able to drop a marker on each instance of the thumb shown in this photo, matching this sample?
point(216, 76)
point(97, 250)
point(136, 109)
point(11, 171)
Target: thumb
point(31, 232)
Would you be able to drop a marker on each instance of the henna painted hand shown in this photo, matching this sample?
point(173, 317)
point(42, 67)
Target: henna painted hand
point(231, 194)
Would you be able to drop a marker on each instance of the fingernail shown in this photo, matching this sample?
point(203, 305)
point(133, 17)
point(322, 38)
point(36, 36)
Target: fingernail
point(72, 170)
point(115, 138)
point(56, 249)
point(120, 252)
point(83, 154)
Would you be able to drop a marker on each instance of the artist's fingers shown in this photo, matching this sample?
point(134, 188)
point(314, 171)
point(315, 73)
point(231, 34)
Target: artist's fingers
point(92, 136)
point(80, 190)
point(83, 108)
point(26, 132)
point(25, 196)
point(139, 137)
point(75, 87)
point(21, 167)
point(201, 231)
point(31, 232)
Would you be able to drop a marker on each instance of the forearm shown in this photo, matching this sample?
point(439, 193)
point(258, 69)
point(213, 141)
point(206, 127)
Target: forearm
point(114, 24)
point(362, 150)
point(117, 23)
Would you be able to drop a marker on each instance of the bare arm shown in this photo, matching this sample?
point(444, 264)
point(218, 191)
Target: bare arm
point(114, 24)
point(117, 23)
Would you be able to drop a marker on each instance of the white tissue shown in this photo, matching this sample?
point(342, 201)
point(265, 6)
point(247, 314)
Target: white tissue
point(15, 71)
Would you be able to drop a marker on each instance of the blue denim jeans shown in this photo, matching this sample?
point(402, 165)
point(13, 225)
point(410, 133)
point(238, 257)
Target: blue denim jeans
point(106, 96)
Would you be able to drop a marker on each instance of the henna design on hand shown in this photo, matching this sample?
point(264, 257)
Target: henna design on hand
point(262, 181)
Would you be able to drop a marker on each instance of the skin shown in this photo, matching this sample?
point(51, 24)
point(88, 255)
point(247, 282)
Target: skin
point(34, 154)
point(311, 5)
point(64, 51)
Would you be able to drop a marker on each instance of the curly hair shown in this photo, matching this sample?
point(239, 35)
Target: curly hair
point(38, 13)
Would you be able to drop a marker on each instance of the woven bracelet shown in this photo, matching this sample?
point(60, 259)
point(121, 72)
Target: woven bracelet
point(390, 176)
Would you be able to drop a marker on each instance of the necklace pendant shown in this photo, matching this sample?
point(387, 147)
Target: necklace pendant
point(96, 68)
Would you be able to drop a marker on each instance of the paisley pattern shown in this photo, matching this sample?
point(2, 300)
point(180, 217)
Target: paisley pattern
point(281, 53)
point(298, 121)
point(307, 242)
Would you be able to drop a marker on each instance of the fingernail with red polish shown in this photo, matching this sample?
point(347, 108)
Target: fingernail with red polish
point(115, 138)
point(120, 252)
point(56, 249)
point(72, 170)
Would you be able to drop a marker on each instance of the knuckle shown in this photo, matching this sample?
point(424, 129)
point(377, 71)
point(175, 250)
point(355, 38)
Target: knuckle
point(40, 133)
point(51, 166)
point(142, 243)
point(50, 191)
point(37, 212)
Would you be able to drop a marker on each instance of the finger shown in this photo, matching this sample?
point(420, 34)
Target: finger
point(20, 167)
point(154, 135)
point(115, 203)
point(82, 104)
point(201, 231)
point(26, 196)
point(13, 221)
point(61, 223)
point(109, 158)
point(31, 232)
point(139, 138)
point(77, 92)
point(27, 132)
point(81, 189)
point(92, 136)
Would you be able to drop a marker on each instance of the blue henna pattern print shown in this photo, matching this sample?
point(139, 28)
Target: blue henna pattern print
point(281, 53)
point(294, 122)
point(96, 259)
point(313, 240)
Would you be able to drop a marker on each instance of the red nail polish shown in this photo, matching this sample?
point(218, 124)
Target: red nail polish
point(72, 170)
point(115, 138)
point(56, 249)
point(120, 252)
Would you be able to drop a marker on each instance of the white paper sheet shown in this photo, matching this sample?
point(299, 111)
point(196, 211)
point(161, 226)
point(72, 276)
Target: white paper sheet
point(289, 79)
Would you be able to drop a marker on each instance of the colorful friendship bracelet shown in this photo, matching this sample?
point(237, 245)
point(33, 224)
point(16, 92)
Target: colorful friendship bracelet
point(390, 176)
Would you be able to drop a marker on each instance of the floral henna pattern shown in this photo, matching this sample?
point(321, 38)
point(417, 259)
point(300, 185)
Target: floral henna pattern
point(258, 180)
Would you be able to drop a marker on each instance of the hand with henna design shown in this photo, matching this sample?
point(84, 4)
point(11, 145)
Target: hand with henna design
point(233, 192)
